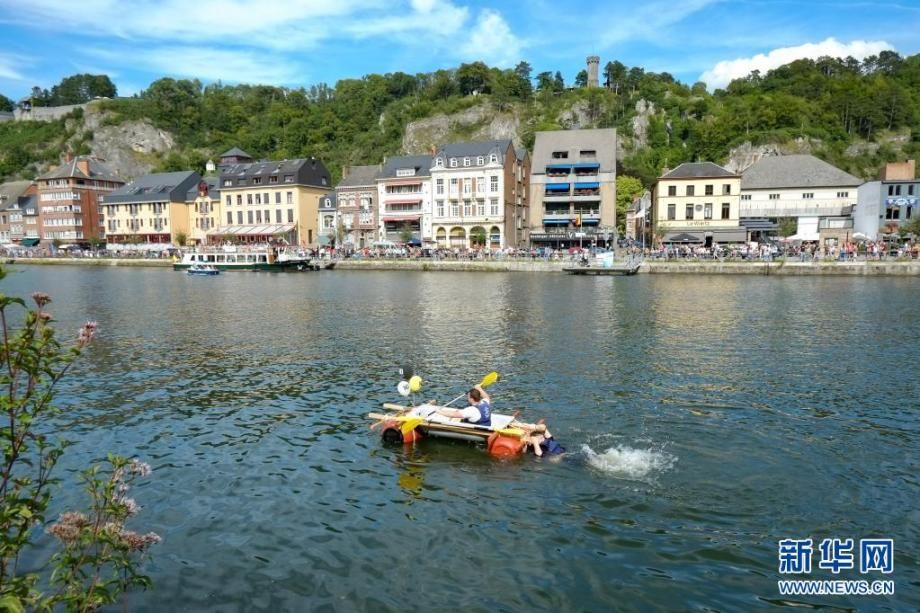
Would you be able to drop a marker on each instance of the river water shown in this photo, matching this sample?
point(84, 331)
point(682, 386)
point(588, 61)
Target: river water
point(707, 417)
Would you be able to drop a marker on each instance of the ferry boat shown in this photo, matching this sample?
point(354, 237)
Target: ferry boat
point(277, 259)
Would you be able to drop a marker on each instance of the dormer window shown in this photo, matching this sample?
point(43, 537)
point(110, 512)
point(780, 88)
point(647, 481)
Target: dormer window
point(405, 172)
point(439, 162)
point(480, 161)
point(493, 159)
point(466, 161)
point(453, 162)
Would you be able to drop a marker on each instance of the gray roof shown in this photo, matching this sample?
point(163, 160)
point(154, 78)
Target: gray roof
point(360, 176)
point(213, 188)
point(304, 171)
point(97, 170)
point(10, 192)
point(476, 148)
point(332, 202)
point(159, 187)
point(603, 141)
point(29, 202)
point(521, 153)
point(698, 170)
point(790, 171)
point(235, 152)
point(421, 164)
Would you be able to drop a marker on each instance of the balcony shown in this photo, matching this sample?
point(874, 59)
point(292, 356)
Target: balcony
point(794, 209)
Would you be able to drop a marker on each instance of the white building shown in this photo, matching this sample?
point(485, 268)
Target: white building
point(404, 197)
point(820, 197)
point(886, 204)
point(328, 222)
point(480, 196)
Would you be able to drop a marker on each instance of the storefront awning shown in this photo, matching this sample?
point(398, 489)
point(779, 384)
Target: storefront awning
point(30, 242)
point(555, 222)
point(403, 217)
point(403, 201)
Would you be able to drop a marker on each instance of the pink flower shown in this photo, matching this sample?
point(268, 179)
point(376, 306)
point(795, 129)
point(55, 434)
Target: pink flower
point(141, 469)
point(86, 334)
point(41, 299)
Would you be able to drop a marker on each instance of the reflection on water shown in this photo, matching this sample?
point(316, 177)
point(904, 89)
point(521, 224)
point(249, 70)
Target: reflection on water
point(706, 418)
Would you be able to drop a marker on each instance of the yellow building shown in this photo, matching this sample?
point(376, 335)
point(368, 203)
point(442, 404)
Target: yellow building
point(698, 204)
point(269, 200)
point(204, 210)
point(151, 212)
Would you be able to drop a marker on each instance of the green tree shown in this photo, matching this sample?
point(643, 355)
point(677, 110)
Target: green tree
point(581, 79)
point(5, 104)
point(628, 189)
point(473, 78)
point(545, 81)
point(614, 75)
point(181, 239)
point(80, 88)
point(405, 233)
point(787, 226)
point(558, 82)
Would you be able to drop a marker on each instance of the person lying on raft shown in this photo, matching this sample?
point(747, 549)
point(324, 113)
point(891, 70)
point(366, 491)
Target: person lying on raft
point(542, 443)
point(479, 412)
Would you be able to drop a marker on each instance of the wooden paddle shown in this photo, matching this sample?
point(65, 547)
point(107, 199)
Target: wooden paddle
point(488, 380)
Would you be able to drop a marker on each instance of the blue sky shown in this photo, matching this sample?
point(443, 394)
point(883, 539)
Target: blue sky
point(302, 42)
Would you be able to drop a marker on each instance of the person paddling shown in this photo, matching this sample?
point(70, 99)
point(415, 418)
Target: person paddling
point(479, 412)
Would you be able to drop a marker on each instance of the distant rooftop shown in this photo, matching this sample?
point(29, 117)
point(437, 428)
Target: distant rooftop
point(360, 176)
point(98, 170)
point(698, 170)
point(573, 146)
point(420, 164)
point(788, 171)
point(158, 187)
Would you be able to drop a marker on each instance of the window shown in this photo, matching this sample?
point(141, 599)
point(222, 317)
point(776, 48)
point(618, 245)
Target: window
point(843, 194)
point(439, 186)
point(290, 197)
point(466, 161)
point(726, 189)
point(467, 208)
point(909, 208)
point(672, 212)
point(688, 212)
point(467, 186)
point(808, 195)
point(439, 163)
point(774, 196)
point(265, 198)
point(493, 159)
point(229, 201)
point(277, 215)
point(672, 190)
point(560, 155)
point(745, 196)
point(493, 184)
point(290, 215)
point(493, 206)
point(277, 197)
point(481, 207)
point(480, 161)
point(258, 216)
point(288, 178)
point(440, 208)
point(249, 217)
point(268, 216)
point(481, 185)
point(910, 190)
point(273, 179)
point(239, 199)
point(707, 210)
point(709, 190)
point(405, 172)
point(248, 198)
point(892, 213)
point(239, 218)
point(726, 210)
point(453, 186)
point(453, 162)
point(258, 199)
point(257, 180)
point(454, 208)
point(691, 190)
point(587, 153)
point(228, 182)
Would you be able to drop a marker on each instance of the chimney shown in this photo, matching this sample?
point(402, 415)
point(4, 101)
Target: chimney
point(344, 171)
point(83, 165)
point(899, 171)
point(68, 156)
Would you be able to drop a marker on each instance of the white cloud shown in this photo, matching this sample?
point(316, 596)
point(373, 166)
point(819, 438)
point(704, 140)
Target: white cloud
point(722, 73)
point(492, 41)
point(9, 68)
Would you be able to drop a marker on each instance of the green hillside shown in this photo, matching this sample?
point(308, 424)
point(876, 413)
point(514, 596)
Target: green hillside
point(854, 114)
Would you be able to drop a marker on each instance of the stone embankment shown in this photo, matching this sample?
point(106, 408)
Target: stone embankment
point(779, 268)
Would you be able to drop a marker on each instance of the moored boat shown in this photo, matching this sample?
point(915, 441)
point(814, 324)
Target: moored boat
point(278, 259)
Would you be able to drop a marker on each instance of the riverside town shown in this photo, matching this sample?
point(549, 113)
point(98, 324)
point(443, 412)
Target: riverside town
point(460, 305)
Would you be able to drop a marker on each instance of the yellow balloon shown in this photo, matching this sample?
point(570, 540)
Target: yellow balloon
point(415, 383)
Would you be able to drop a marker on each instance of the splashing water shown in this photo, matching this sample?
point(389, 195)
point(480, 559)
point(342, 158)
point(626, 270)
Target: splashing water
point(629, 463)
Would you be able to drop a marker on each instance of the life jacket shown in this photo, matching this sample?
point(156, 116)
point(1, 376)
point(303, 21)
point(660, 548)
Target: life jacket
point(485, 414)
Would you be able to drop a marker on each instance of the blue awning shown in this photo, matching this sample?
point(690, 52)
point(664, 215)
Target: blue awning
point(558, 166)
point(587, 165)
point(593, 185)
point(590, 222)
point(555, 222)
point(557, 187)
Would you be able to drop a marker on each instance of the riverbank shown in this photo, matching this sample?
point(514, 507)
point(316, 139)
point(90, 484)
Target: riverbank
point(704, 267)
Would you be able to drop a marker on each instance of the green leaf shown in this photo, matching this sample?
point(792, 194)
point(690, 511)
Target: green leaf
point(12, 604)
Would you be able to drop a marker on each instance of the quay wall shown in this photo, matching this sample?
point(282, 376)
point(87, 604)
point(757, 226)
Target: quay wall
point(861, 268)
